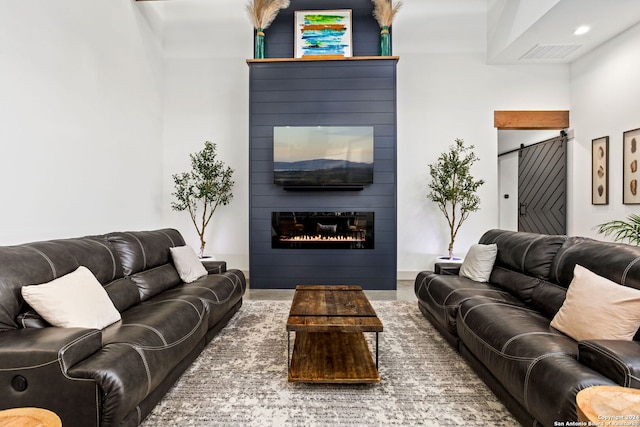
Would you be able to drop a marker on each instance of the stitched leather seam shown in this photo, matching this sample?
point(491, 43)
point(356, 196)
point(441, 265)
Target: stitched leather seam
point(613, 358)
point(530, 368)
point(424, 279)
point(626, 270)
point(181, 340)
point(18, 368)
point(558, 259)
point(71, 344)
point(515, 337)
point(239, 280)
point(144, 254)
point(471, 289)
point(173, 244)
point(526, 251)
point(152, 329)
point(144, 362)
point(113, 258)
point(42, 254)
point(206, 289)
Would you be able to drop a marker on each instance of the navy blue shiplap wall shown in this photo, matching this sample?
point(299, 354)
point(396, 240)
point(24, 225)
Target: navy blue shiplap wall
point(323, 93)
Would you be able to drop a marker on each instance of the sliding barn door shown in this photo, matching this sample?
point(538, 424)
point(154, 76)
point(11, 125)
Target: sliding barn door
point(542, 185)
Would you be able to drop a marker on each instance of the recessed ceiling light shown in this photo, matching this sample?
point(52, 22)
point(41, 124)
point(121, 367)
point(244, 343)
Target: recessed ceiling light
point(581, 30)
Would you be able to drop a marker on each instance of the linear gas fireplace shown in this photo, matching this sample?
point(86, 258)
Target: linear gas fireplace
point(322, 230)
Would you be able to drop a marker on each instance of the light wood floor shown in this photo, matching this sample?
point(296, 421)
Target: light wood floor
point(404, 292)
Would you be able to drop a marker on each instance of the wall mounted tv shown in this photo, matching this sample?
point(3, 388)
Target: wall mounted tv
point(319, 157)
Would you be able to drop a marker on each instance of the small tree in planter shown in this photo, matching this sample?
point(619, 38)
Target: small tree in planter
point(453, 188)
point(200, 191)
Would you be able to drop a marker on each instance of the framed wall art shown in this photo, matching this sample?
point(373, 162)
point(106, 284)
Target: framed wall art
point(600, 171)
point(630, 173)
point(322, 33)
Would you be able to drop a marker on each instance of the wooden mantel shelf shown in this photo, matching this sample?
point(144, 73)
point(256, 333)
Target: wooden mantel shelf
point(351, 58)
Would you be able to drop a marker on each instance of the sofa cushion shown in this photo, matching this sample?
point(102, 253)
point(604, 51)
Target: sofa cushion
point(152, 282)
point(617, 262)
point(598, 309)
point(41, 262)
point(75, 300)
point(143, 250)
point(123, 292)
point(478, 262)
point(548, 298)
point(517, 346)
point(528, 253)
point(442, 295)
point(139, 352)
point(219, 292)
point(517, 284)
point(187, 263)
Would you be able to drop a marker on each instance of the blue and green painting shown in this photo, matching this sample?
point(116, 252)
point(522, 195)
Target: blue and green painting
point(323, 35)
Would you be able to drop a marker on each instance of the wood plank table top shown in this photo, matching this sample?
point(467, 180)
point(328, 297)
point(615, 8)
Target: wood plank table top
point(317, 308)
point(29, 417)
point(330, 346)
point(609, 404)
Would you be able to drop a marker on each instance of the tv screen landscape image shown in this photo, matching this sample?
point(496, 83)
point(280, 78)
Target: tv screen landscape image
point(322, 155)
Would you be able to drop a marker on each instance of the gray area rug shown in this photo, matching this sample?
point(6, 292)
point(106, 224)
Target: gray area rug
point(241, 380)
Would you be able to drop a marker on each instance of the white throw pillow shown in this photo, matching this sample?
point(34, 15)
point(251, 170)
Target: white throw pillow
point(187, 263)
point(75, 300)
point(598, 309)
point(478, 262)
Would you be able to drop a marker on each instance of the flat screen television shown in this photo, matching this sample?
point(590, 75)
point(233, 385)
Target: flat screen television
point(322, 155)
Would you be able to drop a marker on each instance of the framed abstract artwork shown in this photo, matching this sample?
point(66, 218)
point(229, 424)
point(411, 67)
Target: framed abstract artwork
point(600, 171)
point(322, 33)
point(630, 173)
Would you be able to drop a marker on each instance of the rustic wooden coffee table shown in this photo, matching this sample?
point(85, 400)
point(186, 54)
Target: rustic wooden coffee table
point(329, 324)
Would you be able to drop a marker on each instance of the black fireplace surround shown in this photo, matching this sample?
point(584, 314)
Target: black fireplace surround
point(322, 230)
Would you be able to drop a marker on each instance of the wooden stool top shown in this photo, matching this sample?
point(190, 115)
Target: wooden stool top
point(29, 417)
point(602, 404)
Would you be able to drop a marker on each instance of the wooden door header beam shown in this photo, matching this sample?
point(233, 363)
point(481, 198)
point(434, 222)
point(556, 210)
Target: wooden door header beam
point(531, 120)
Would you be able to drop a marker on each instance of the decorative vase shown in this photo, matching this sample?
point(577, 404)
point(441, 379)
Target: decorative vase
point(385, 41)
point(259, 47)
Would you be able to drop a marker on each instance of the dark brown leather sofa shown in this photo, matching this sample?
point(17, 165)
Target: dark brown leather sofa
point(502, 328)
point(114, 376)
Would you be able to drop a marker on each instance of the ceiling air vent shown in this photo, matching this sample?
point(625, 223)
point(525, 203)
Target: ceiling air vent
point(550, 51)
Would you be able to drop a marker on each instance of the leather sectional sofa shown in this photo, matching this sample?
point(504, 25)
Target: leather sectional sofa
point(113, 376)
point(502, 327)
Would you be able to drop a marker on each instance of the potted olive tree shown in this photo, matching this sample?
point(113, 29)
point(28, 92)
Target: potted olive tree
point(204, 188)
point(453, 188)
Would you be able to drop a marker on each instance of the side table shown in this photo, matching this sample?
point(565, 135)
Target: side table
point(29, 417)
point(602, 404)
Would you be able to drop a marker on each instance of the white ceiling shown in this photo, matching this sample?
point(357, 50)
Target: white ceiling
point(516, 28)
point(506, 30)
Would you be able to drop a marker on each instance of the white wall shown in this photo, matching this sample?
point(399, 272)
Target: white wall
point(605, 101)
point(206, 98)
point(446, 91)
point(81, 110)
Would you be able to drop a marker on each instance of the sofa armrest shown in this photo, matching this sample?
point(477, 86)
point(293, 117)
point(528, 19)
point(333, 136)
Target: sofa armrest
point(214, 267)
point(617, 360)
point(33, 372)
point(26, 348)
point(450, 268)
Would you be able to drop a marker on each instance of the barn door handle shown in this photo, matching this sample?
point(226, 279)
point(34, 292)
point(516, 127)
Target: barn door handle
point(523, 209)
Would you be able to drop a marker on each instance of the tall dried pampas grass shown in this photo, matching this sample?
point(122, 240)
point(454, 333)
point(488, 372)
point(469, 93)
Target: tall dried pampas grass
point(384, 11)
point(263, 12)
